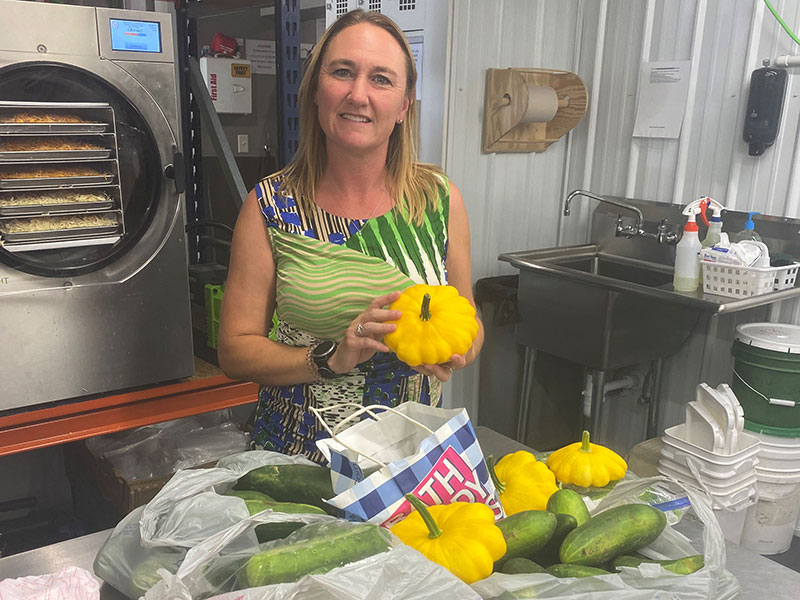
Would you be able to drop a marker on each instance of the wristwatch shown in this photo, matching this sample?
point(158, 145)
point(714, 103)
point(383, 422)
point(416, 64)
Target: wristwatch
point(320, 355)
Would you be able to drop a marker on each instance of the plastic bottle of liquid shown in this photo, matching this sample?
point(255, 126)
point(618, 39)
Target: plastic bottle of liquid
point(687, 260)
point(749, 232)
point(714, 228)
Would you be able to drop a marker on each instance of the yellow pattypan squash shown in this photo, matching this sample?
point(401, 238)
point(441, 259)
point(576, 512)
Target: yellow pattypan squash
point(436, 323)
point(586, 464)
point(462, 537)
point(523, 482)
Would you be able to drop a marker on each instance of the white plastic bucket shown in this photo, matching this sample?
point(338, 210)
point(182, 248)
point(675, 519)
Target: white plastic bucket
point(676, 438)
point(778, 452)
point(731, 518)
point(733, 489)
point(719, 473)
point(770, 522)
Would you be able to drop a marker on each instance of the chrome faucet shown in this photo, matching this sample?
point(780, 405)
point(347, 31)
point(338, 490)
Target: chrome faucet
point(664, 235)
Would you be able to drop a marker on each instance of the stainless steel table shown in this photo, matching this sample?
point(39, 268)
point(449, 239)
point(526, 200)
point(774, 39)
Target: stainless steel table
point(758, 576)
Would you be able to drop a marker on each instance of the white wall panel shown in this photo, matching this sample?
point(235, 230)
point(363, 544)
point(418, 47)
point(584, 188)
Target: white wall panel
point(514, 200)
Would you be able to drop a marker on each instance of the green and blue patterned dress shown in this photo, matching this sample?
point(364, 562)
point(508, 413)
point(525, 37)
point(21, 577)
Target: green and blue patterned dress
point(328, 269)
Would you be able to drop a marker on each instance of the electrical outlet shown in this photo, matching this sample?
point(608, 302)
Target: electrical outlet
point(243, 143)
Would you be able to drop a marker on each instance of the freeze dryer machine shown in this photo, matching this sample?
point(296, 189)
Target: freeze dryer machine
point(93, 278)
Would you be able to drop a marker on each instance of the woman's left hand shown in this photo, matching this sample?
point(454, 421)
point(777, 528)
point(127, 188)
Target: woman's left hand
point(443, 371)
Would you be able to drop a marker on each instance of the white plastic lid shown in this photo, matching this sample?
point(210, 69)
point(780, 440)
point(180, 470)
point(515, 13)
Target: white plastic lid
point(770, 336)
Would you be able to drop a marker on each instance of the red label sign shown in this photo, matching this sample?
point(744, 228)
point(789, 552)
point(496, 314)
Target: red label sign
point(450, 480)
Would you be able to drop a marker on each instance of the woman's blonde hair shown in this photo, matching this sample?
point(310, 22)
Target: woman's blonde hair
point(412, 185)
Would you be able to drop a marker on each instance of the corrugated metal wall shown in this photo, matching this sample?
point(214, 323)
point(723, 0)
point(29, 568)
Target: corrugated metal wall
point(514, 199)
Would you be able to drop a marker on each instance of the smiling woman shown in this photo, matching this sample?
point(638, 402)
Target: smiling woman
point(329, 242)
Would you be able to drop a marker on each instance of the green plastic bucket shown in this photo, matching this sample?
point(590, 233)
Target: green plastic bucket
point(766, 377)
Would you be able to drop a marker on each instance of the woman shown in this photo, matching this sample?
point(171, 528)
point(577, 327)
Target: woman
point(330, 241)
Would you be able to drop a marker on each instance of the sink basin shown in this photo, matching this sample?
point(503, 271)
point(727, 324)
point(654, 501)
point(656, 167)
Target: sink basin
point(618, 268)
point(600, 310)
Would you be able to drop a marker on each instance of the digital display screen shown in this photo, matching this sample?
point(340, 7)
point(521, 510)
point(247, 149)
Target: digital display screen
point(135, 36)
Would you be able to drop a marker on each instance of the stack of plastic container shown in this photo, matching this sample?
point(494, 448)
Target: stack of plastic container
point(712, 452)
point(770, 524)
point(766, 379)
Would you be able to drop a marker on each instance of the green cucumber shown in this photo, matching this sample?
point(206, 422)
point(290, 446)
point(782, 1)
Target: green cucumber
point(325, 546)
point(615, 531)
point(681, 566)
point(267, 532)
point(514, 566)
point(306, 484)
point(255, 501)
point(562, 570)
point(525, 533)
point(568, 502)
point(549, 554)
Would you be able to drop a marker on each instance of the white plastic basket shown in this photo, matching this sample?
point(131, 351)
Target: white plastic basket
point(743, 282)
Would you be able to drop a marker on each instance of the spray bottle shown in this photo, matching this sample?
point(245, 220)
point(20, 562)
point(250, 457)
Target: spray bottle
point(714, 224)
point(749, 232)
point(687, 260)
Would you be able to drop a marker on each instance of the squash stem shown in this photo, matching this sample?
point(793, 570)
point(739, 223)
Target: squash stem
point(585, 445)
point(495, 480)
point(425, 313)
point(433, 529)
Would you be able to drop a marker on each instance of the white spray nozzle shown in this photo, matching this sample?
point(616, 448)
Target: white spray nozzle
point(697, 205)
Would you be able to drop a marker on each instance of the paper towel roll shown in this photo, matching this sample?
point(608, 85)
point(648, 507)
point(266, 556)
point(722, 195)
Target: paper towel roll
point(542, 104)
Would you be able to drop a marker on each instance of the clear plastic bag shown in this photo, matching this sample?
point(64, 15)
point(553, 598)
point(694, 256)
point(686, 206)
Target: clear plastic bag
point(186, 512)
point(163, 448)
point(648, 581)
point(214, 569)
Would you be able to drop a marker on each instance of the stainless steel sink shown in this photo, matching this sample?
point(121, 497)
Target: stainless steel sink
point(601, 310)
point(611, 304)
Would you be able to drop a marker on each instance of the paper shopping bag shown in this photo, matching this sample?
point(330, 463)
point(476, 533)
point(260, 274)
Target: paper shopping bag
point(414, 448)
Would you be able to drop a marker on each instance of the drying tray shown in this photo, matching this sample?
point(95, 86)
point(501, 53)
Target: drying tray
point(54, 182)
point(59, 244)
point(59, 234)
point(37, 210)
point(53, 155)
point(69, 128)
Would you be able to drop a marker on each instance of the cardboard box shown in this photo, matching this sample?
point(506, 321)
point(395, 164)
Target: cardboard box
point(123, 495)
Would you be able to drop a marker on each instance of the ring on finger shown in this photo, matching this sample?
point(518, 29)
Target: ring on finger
point(360, 330)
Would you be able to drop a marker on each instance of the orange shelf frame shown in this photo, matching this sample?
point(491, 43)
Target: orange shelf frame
point(39, 428)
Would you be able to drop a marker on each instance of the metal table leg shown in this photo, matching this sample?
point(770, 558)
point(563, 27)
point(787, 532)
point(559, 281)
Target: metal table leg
point(525, 394)
point(598, 386)
point(653, 407)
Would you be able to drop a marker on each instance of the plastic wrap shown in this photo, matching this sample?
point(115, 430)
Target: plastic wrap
point(187, 511)
point(648, 581)
point(163, 448)
point(213, 569)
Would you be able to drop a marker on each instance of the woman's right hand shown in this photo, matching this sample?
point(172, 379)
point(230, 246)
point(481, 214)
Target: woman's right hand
point(364, 336)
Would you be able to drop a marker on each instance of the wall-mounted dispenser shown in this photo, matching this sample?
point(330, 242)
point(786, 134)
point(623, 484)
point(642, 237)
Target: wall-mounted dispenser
point(764, 107)
point(526, 110)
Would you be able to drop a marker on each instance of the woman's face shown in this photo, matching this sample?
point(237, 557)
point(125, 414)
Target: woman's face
point(361, 92)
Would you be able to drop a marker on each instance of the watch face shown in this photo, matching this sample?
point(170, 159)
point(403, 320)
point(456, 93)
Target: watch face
point(323, 348)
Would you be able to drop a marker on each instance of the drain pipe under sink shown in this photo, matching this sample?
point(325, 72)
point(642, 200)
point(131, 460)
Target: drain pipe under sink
point(631, 380)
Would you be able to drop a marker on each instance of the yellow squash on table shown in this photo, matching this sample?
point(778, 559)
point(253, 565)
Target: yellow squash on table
point(462, 537)
point(586, 464)
point(522, 482)
point(436, 323)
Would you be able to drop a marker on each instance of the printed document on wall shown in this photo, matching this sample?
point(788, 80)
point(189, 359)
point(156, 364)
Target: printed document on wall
point(663, 91)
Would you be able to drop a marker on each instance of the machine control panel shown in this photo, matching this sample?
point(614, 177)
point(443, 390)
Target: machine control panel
point(135, 36)
point(140, 36)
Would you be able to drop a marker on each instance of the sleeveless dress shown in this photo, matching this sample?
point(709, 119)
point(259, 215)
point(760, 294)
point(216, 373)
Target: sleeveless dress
point(328, 269)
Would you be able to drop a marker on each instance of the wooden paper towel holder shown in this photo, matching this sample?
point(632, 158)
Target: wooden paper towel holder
point(507, 102)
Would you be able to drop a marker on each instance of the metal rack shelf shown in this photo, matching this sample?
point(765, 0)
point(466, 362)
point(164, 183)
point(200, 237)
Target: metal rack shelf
point(78, 420)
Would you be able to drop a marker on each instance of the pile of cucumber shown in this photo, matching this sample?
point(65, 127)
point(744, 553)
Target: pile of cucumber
point(562, 540)
point(566, 542)
point(300, 489)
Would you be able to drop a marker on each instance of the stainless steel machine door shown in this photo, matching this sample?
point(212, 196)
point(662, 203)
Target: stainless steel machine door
point(84, 320)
